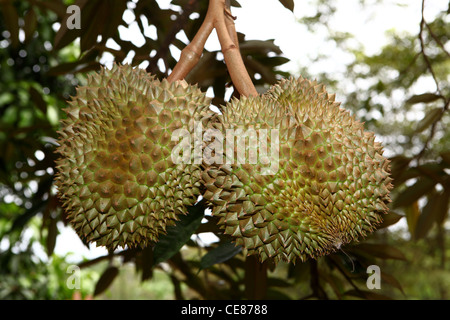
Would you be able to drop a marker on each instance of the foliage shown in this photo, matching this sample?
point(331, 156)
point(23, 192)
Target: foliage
point(40, 68)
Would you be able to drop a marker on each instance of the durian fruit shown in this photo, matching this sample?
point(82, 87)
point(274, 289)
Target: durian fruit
point(116, 178)
point(331, 186)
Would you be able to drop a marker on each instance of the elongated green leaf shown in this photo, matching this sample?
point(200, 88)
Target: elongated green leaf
point(234, 3)
point(446, 157)
point(265, 72)
point(64, 36)
point(259, 46)
point(414, 192)
point(30, 24)
point(94, 18)
point(220, 254)
point(369, 295)
point(412, 213)
point(106, 279)
point(387, 278)
point(430, 118)
point(390, 219)
point(427, 217)
point(398, 166)
point(113, 17)
point(51, 236)
point(86, 63)
point(23, 219)
point(289, 4)
point(56, 6)
point(11, 20)
point(381, 251)
point(273, 294)
point(38, 100)
point(443, 203)
point(179, 234)
point(432, 170)
point(424, 97)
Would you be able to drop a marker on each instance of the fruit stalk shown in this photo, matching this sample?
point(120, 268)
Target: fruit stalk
point(218, 17)
point(191, 54)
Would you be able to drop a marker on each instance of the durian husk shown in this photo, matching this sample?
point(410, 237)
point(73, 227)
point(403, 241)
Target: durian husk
point(331, 187)
point(116, 178)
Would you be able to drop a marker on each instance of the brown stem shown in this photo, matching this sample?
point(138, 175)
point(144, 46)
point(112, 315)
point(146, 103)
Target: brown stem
point(230, 50)
point(424, 24)
point(193, 51)
point(176, 27)
point(255, 278)
point(315, 283)
point(422, 49)
point(218, 17)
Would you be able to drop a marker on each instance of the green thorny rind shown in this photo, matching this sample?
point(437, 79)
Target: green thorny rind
point(332, 185)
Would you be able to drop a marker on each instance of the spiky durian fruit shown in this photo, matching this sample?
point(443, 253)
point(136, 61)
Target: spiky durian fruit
point(116, 177)
point(330, 184)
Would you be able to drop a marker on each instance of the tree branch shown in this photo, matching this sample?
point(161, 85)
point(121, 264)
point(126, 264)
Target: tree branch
point(445, 108)
point(438, 41)
point(177, 26)
point(255, 278)
point(193, 51)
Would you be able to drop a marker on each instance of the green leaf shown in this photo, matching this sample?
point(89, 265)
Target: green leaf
point(398, 166)
point(51, 236)
point(56, 6)
point(106, 279)
point(265, 72)
point(443, 203)
point(414, 192)
point(387, 278)
point(273, 294)
point(433, 170)
point(93, 23)
point(20, 221)
point(179, 234)
point(446, 158)
point(113, 17)
point(260, 46)
point(86, 63)
point(64, 36)
point(424, 97)
point(431, 117)
point(234, 3)
point(220, 254)
point(289, 4)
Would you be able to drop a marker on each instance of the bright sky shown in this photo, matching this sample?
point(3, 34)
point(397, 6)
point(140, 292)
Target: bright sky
point(268, 19)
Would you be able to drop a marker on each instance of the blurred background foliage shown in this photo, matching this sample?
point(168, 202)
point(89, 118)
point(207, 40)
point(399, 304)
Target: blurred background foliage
point(41, 63)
